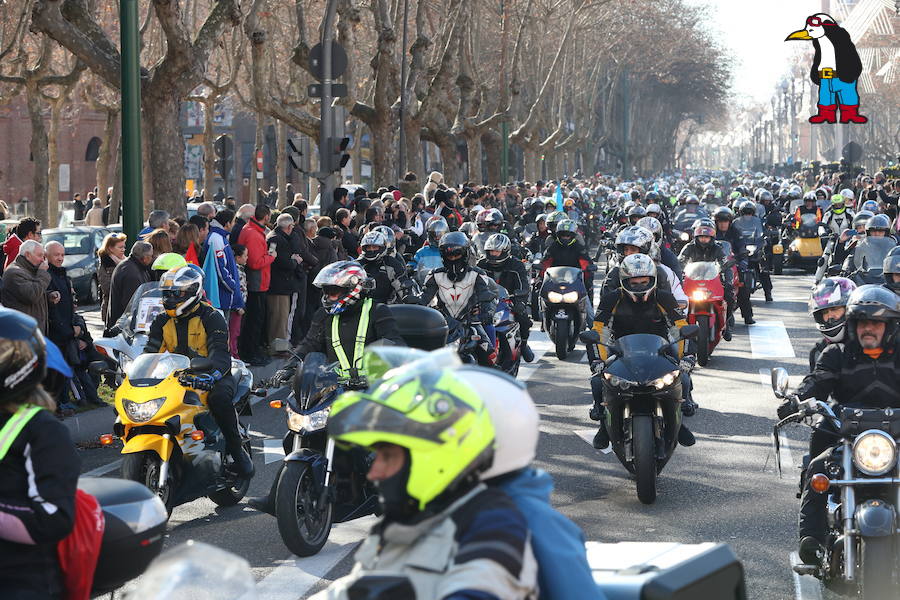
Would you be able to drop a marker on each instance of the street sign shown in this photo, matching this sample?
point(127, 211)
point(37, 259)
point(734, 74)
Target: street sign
point(338, 61)
point(338, 90)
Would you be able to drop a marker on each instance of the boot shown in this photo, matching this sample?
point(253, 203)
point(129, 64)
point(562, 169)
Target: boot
point(726, 334)
point(266, 504)
point(685, 437)
point(688, 407)
point(827, 114)
point(811, 551)
point(601, 438)
point(597, 412)
point(769, 296)
point(849, 114)
point(234, 445)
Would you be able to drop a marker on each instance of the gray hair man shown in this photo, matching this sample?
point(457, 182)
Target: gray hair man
point(285, 280)
point(25, 283)
point(127, 277)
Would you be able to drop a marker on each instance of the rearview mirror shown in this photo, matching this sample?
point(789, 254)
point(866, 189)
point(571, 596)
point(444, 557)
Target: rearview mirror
point(589, 337)
point(780, 381)
point(689, 332)
point(201, 364)
point(98, 367)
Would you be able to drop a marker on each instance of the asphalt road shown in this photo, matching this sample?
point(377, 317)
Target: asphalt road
point(723, 489)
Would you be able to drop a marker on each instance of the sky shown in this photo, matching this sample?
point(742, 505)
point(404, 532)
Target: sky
point(755, 32)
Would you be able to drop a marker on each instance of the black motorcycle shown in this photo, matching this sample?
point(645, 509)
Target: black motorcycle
point(563, 307)
point(750, 267)
point(643, 394)
point(862, 482)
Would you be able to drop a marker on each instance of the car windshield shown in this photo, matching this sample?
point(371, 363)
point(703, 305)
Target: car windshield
point(564, 274)
point(156, 366)
point(75, 242)
point(701, 271)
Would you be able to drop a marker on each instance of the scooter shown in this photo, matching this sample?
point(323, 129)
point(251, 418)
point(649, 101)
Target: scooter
point(563, 307)
point(643, 394)
point(706, 305)
point(172, 444)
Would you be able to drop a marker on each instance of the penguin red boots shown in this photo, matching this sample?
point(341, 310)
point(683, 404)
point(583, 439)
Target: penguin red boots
point(849, 114)
point(827, 114)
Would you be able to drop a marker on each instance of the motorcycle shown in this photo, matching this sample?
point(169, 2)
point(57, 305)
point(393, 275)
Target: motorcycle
point(563, 307)
point(752, 257)
point(643, 394)
point(865, 265)
point(804, 244)
point(322, 484)
point(862, 483)
point(773, 241)
point(706, 305)
point(509, 337)
point(128, 336)
point(172, 443)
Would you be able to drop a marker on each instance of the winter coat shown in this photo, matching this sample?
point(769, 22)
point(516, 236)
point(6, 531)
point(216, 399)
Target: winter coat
point(230, 297)
point(284, 268)
point(127, 277)
point(25, 289)
point(323, 249)
point(104, 275)
point(60, 316)
point(259, 261)
point(94, 217)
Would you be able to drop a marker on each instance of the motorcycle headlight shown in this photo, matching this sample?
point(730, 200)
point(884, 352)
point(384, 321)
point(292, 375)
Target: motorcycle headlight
point(699, 295)
point(665, 381)
point(616, 381)
point(308, 423)
point(554, 297)
point(570, 297)
point(874, 452)
point(685, 236)
point(751, 248)
point(141, 412)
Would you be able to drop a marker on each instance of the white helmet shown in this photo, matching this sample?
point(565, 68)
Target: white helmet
point(514, 416)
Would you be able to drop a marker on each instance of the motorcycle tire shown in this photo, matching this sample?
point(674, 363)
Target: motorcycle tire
point(231, 495)
point(778, 264)
point(562, 342)
point(143, 467)
point(644, 447)
point(296, 494)
point(878, 567)
point(703, 341)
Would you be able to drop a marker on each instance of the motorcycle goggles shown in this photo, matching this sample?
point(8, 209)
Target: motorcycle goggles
point(566, 238)
point(453, 253)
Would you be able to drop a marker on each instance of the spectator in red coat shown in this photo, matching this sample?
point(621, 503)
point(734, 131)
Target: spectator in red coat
point(260, 256)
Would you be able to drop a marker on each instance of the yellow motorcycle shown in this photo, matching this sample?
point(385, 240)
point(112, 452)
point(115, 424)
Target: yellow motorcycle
point(172, 444)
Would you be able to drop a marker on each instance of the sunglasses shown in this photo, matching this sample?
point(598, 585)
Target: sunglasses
point(818, 22)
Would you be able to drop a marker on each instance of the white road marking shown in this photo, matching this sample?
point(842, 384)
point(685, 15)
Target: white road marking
point(806, 587)
point(101, 471)
point(588, 436)
point(294, 577)
point(540, 344)
point(273, 451)
point(769, 339)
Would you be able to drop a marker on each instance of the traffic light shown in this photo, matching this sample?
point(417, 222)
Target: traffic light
point(224, 149)
point(337, 157)
point(295, 153)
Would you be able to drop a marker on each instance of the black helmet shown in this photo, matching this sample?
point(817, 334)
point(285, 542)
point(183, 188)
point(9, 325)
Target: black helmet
point(723, 213)
point(454, 248)
point(498, 242)
point(890, 267)
point(748, 208)
point(878, 223)
point(874, 303)
point(23, 356)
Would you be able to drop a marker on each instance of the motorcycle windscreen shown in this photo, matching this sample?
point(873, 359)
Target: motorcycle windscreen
point(725, 245)
point(145, 304)
point(566, 275)
point(156, 366)
point(809, 227)
point(641, 361)
point(871, 251)
point(701, 271)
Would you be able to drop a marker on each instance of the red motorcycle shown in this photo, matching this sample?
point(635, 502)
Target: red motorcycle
point(706, 305)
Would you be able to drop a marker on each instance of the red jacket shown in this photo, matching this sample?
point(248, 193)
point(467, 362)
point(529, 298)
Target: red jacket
point(11, 249)
point(253, 236)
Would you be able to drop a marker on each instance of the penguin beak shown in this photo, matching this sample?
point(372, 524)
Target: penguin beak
point(799, 35)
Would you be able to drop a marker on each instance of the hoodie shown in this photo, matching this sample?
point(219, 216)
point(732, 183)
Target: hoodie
point(557, 542)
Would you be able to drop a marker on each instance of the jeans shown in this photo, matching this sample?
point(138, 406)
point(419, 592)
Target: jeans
point(834, 91)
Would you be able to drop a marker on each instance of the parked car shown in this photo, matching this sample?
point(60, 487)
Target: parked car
point(81, 261)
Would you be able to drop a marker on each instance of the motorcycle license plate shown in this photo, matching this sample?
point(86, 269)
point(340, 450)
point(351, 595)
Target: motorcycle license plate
point(777, 249)
point(561, 314)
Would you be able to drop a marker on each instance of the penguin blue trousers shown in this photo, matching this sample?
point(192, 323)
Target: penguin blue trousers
point(834, 91)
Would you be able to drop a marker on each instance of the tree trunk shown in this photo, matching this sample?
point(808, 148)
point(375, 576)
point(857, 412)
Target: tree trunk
point(493, 147)
point(449, 162)
point(281, 163)
point(166, 145)
point(356, 160)
point(39, 155)
point(473, 158)
point(209, 148)
point(105, 156)
point(56, 107)
point(414, 149)
point(257, 147)
point(532, 164)
point(383, 154)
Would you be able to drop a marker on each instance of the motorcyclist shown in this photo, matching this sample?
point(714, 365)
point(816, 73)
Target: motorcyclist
point(638, 306)
point(666, 256)
point(703, 248)
point(39, 467)
point(878, 226)
point(838, 217)
point(863, 372)
point(828, 307)
point(809, 207)
point(510, 272)
point(489, 221)
point(432, 437)
point(891, 270)
point(435, 228)
point(636, 213)
point(192, 327)
point(540, 238)
point(386, 271)
point(566, 250)
point(849, 239)
point(751, 229)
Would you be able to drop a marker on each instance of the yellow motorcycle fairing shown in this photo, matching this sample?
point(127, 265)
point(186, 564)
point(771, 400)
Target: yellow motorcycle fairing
point(174, 405)
point(807, 247)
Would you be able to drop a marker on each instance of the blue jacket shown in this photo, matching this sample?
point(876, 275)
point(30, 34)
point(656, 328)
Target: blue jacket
point(421, 253)
point(557, 542)
point(230, 297)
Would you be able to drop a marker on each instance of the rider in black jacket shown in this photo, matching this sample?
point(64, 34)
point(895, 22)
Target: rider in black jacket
point(510, 273)
point(386, 271)
point(39, 467)
point(703, 248)
point(864, 372)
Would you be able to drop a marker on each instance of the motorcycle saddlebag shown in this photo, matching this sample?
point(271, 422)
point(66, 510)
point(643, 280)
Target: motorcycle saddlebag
point(135, 527)
point(420, 326)
point(666, 571)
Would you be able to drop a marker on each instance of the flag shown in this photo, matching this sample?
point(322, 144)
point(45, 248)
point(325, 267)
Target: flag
point(211, 278)
point(559, 198)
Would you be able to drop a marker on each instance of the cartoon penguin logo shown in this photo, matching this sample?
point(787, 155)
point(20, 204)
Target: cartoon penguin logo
point(835, 69)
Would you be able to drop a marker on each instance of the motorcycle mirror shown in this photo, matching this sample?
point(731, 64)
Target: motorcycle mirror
point(589, 337)
point(201, 364)
point(689, 332)
point(98, 367)
point(780, 381)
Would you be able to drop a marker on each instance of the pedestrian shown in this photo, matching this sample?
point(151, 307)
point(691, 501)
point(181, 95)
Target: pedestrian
point(27, 229)
point(207, 209)
point(172, 227)
point(158, 219)
point(127, 277)
point(219, 196)
point(25, 283)
point(236, 318)
point(284, 278)
point(187, 243)
point(230, 297)
point(259, 260)
point(80, 206)
point(244, 214)
point(111, 253)
point(202, 224)
point(349, 241)
point(341, 199)
point(94, 217)
point(160, 241)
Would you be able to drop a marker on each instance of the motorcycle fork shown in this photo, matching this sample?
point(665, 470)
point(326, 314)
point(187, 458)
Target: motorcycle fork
point(329, 467)
point(628, 438)
point(848, 507)
point(659, 426)
point(164, 467)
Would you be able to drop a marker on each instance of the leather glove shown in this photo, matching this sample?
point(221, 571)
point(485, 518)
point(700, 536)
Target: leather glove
point(687, 364)
point(203, 381)
point(283, 376)
point(786, 409)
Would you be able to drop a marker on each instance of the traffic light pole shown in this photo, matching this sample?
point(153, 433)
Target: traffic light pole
point(326, 124)
point(132, 190)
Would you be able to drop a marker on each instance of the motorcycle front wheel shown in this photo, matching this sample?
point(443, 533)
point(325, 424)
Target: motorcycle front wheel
point(562, 341)
point(703, 340)
point(303, 523)
point(644, 446)
point(878, 567)
point(144, 467)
